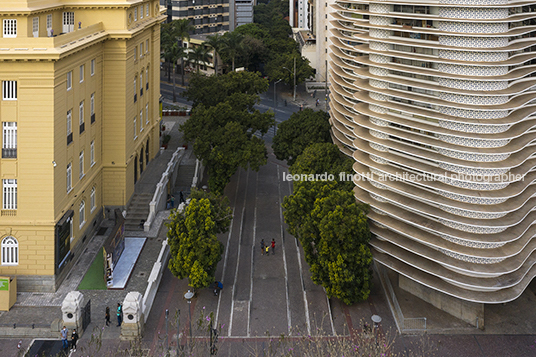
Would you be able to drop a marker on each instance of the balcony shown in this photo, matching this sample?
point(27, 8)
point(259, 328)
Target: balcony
point(9, 153)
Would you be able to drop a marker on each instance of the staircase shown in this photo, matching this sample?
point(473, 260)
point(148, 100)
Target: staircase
point(184, 178)
point(137, 211)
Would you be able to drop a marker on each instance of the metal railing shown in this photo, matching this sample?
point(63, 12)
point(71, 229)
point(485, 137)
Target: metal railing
point(405, 324)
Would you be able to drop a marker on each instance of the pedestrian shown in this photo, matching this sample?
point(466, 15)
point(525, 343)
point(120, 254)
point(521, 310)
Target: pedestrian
point(273, 246)
point(262, 246)
point(267, 250)
point(172, 201)
point(74, 338)
point(181, 197)
point(107, 316)
point(64, 332)
point(317, 102)
point(301, 107)
point(119, 313)
point(217, 287)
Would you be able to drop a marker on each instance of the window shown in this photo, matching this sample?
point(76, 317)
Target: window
point(135, 129)
point(35, 27)
point(49, 26)
point(10, 28)
point(81, 164)
point(9, 140)
point(141, 49)
point(141, 83)
point(92, 67)
point(82, 73)
point(9, 90)
point(147, 78)
point(69, 177)
point(92, 152)
point(141, 12)
point(135, 53)
point(141, 120)
point(10, 251)
point(82, 214)
point(68, 22)
point(10, 194)
point(147, 10)
point(69, 126)
point(92, 107)
point(69, 80)
point(147, 113)
point(135, 91)
point(93, 199)
point(136, 14)
point(146, 46)
point(81, 117)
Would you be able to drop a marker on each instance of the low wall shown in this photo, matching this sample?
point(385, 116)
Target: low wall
point(154, 280)
point(470, 312)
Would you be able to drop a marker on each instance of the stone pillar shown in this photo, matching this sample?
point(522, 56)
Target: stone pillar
point(71, 310)
point(133, 320)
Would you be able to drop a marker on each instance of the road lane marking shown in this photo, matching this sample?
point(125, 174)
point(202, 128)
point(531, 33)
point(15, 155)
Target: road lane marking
point(307, 318)
point(289, 318)
point(227, 252)
point(252, 253)
point(237, 259)
point(330, 315)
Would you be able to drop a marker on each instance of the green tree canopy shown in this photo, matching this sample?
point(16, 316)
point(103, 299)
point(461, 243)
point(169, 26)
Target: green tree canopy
point(276, 68)
point(221, 211)
point(323, 158)
point(224, 139)
point(299, 131)
point(212, 90)
point(195, 249)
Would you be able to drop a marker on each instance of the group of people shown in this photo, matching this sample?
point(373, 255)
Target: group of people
point(265, 248)
point(65, 343)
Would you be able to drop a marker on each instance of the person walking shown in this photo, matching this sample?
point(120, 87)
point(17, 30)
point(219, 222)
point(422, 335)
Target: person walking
point(181, 198)
point(262, 246)
point(273, 246)
point(74, 338)
point(107, 316)
point(267, 250)
point(301, 107)
point(119, 313)
point(64, 332)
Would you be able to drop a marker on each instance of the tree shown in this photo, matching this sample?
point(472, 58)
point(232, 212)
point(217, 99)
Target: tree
point(254, 52)
point(216, 43)
point(174, 33)
point(195, 249)
point(224, 139)
point(172, 54)
point(212, 90)
point(299, 131)
point(222, 213)
point(232, 45)
point(199, 55)
point(334, 233)
point(276, 68)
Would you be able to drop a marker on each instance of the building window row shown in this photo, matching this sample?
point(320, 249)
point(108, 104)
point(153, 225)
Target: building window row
point(9, 140)
point(10, 28)
point(9, 90)
point(10, 194)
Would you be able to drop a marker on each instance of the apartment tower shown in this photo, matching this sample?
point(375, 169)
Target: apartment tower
point(435, 102)
point(63, 63)
point(207, 16)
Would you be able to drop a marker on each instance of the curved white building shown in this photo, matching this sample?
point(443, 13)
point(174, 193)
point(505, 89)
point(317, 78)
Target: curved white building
point(441, 95)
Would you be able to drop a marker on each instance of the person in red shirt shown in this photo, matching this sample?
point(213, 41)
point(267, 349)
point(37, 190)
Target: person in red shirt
point(273, 246)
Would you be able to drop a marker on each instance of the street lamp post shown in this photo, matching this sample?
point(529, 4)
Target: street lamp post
point(188, 296)
point(294, 77)
point(275, 102)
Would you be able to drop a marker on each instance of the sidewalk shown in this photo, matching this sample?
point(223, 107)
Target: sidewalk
point(41, 309)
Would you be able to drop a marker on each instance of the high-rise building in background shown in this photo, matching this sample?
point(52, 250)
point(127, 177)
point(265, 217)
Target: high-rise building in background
point(207, 16)
point(434, 102)
point(95, 64)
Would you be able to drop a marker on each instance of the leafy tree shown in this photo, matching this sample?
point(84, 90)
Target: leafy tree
point(224, 139)
point(276, 68)
point(222, 213)
point(254, 52)
point(172, 55)
point(232, 46)
point(216, 43)
point(323, 158)
point(174, 33)
point(198, 55)
point(212, 90)
point(299, 131)
point(195, 249)
point(334, 234)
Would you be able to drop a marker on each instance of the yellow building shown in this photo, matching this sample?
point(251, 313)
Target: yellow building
point(62, 63)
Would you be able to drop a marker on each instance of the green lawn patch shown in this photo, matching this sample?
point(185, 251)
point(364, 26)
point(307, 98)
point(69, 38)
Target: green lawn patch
point(94, 278)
